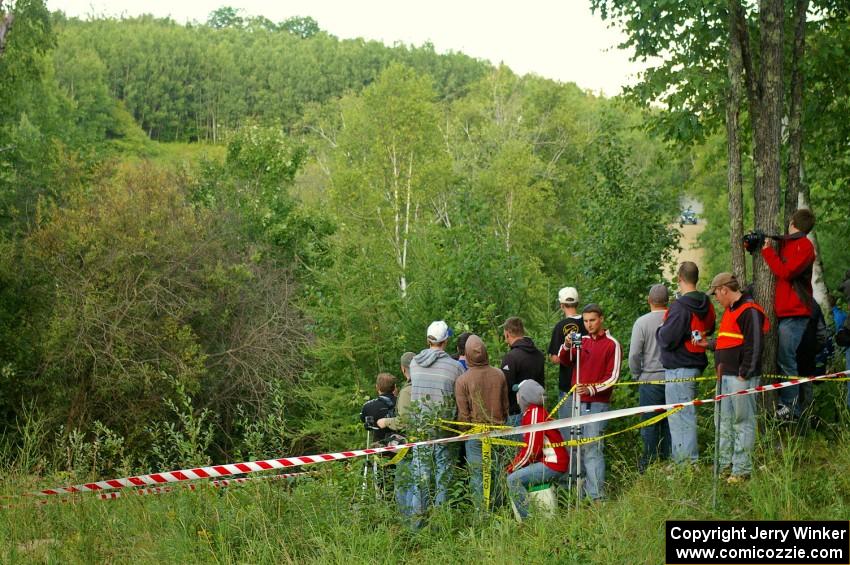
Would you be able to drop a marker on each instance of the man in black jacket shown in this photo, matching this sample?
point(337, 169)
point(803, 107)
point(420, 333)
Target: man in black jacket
point(683, 358)
point(523, 361)
point(572, 323)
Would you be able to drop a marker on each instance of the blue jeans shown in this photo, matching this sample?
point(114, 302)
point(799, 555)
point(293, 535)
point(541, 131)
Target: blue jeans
point(430, 461)
point(404, 486)
point(521, 479)
point(473, 465)
point(513, 421)
point(791, 332)
point(476, 472)
point(656, 438)
point(592, 454)
point(737, 426)
point(683, 424)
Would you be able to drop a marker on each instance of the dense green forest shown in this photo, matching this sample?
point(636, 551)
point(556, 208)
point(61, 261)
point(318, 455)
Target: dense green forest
point(317, 203)
point(214, 235)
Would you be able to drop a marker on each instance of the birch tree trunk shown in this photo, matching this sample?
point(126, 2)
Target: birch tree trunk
point(795, 125)
point(819, 287)
point(6, 21)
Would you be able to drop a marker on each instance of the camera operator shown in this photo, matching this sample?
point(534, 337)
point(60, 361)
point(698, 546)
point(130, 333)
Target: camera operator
point(383, 406)
point(793, 302)
point(373, 411)
point(599, 356)
point(403, 473)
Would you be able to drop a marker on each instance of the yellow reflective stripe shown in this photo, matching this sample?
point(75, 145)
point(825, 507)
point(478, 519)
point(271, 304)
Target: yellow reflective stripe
point(730, 334)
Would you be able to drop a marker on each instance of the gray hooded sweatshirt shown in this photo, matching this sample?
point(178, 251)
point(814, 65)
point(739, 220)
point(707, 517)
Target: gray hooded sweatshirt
point(432, 381)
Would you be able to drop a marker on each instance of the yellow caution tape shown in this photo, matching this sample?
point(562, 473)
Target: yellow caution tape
point(645, 423)
point(486, 463)
point(508, 442)
point(396, 458)
point(797, 377)
point(560, 402)
point(663, 381)
point(473, 424)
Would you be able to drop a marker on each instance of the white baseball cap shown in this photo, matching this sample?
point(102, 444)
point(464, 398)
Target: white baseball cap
point(438, 332)
point(568, 295)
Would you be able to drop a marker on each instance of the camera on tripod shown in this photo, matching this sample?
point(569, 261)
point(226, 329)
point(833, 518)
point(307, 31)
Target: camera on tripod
point(574, 340)
point(754, 241)
point(369, 422)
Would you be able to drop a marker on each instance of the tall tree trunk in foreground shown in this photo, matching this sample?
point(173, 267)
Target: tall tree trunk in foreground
point(735, 180)
point(767, 137)
point(795, 124)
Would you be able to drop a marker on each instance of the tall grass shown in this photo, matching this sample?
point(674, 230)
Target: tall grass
point(326, 518)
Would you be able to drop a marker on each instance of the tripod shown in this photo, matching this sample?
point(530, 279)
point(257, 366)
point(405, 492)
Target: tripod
point(575, 431)
point(367, 464)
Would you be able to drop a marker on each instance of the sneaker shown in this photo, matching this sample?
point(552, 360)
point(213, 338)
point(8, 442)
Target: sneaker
point(783, 412)
point(736, 479)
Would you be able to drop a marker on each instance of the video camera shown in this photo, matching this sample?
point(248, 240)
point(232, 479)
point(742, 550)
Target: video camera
point(573, 339)
point(754, 241)
point(369, 422)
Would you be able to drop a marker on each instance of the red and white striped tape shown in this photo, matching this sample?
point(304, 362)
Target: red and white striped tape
point(162, 490)
point(156, 479)
point(227, 470)
point(193, 486)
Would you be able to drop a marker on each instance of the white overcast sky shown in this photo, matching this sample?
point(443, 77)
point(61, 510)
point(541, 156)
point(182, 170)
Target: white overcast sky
point(558, 39)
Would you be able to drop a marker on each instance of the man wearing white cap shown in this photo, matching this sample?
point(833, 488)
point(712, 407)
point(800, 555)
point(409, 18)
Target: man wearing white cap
point(572, 322)
point(432, 393)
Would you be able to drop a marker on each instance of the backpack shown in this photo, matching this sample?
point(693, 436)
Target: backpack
point(700, 325)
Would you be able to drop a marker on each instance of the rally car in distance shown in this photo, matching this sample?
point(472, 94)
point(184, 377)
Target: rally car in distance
point(687, 217)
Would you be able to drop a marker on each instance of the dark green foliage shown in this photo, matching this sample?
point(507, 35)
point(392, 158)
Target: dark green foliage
point(146, 293)
point(686, 42)
point(195, 82)
point(622, 220)
point(302, 27)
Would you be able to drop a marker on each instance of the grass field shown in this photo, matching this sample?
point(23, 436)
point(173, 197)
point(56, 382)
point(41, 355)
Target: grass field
point(322, 519)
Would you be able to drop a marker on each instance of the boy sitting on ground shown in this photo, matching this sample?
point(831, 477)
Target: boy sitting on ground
point(541, 460)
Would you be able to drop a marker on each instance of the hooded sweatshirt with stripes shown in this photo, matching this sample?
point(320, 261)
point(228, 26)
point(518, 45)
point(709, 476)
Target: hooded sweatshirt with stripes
point(540, 447)
point(598, 365)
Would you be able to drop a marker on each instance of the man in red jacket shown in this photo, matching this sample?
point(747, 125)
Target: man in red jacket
point(594, 375)
point(792, 266)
